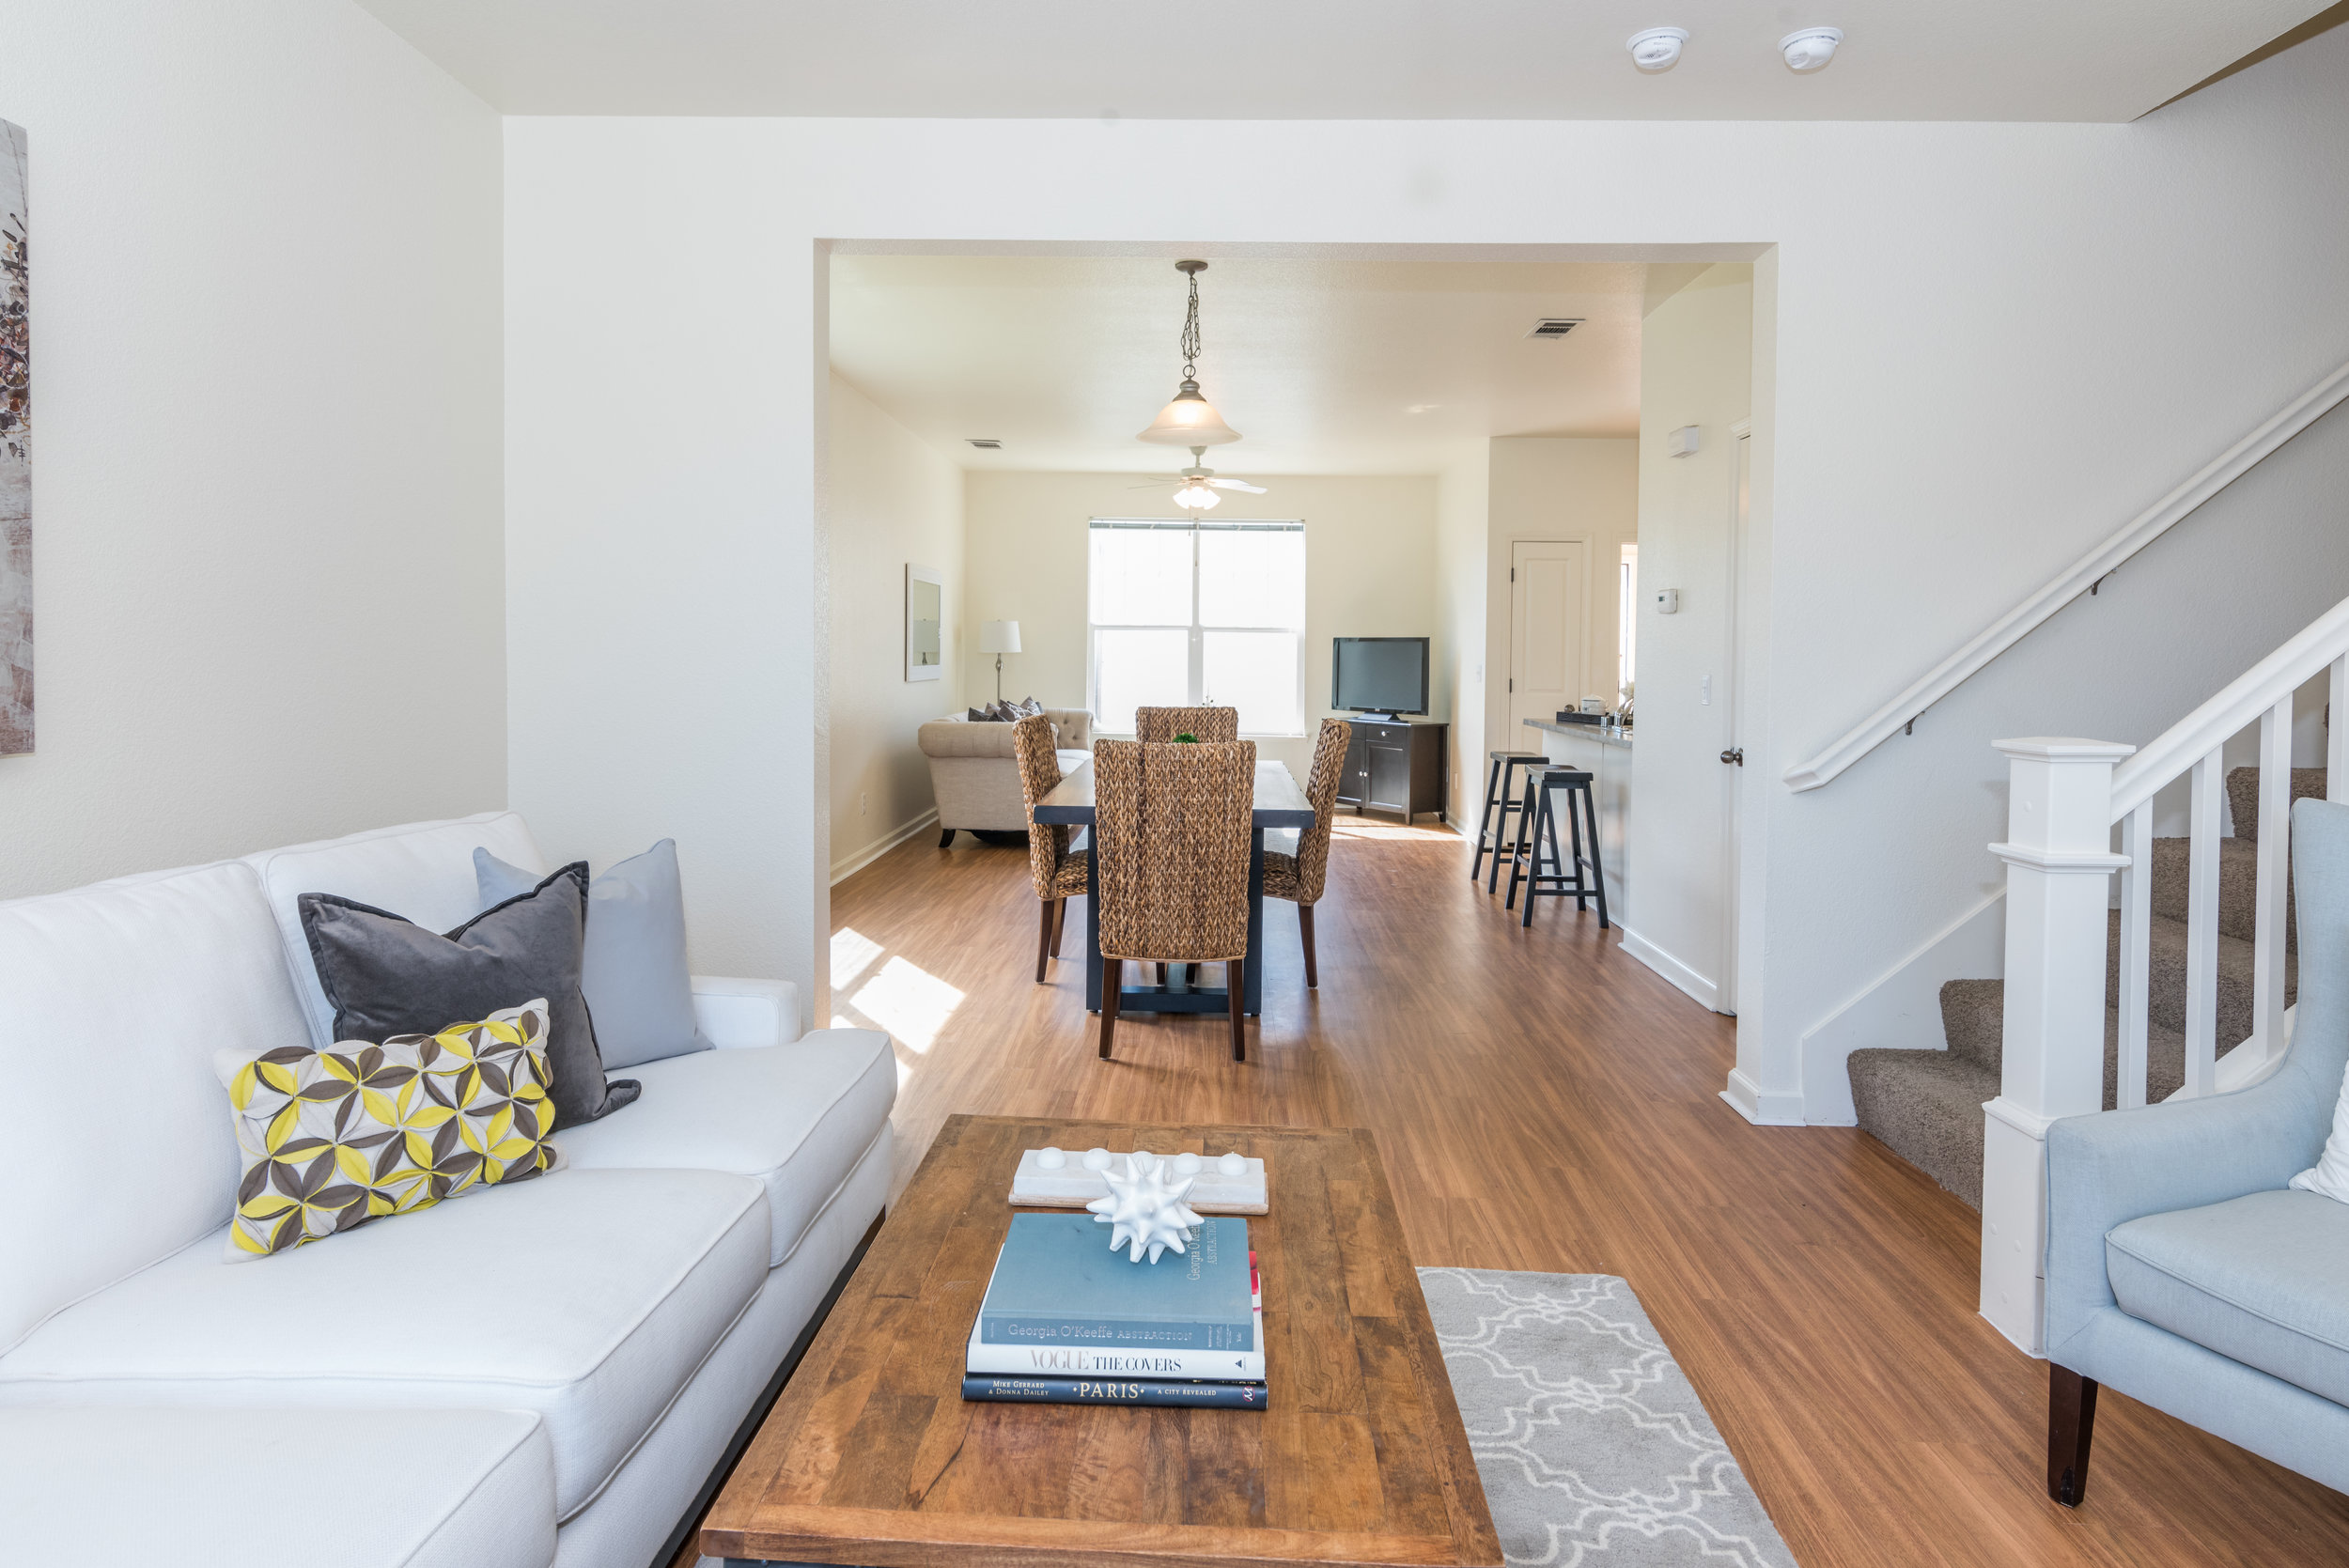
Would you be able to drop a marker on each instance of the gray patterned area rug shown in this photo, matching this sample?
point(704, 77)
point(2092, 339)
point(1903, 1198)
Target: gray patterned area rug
point(1593, 1447)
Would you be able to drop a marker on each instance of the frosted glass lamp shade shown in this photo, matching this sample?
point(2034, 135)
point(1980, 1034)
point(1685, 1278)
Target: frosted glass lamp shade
point(998, 636)
point(1190, 420)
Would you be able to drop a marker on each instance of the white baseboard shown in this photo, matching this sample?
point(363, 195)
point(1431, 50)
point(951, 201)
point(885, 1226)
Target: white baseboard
point(1900, 1008)
point(1747, 1099)
point(844, 869)
point(1706, 991)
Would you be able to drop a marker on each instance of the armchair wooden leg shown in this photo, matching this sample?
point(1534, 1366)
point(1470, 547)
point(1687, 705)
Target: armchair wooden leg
point(945, 838)
point(1043, 940)
point(1235, 982)
point(1112, 983)
point(1305, 930)
point(1060, 918)
point(2071, 1427)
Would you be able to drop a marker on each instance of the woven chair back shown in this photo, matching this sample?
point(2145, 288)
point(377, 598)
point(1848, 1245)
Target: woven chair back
point(1039, 775)
point(1321, 793)
point(1172, 837)
point(1155, 726)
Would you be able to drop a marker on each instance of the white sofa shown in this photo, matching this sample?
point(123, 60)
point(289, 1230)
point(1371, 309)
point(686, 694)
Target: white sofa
point(540, 1373)
point(974, 770)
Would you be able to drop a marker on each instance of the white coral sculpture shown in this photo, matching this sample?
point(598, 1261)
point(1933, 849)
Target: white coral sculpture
point(1145, 1204)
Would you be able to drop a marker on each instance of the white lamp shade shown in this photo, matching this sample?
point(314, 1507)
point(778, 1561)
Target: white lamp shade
point(1190, 420)
point(998, 636)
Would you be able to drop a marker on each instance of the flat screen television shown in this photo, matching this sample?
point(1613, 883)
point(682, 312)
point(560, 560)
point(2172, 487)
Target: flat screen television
point(1378, 674)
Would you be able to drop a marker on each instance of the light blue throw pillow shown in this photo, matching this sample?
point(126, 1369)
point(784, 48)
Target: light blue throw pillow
point(634, 972)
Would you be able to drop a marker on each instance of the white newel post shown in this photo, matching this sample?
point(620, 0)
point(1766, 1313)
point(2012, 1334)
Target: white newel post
point(2059, 869)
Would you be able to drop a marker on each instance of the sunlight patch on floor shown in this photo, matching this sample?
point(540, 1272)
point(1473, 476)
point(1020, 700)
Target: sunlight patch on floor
point(1361, 827)
point(852, 954)
point(909, 1001)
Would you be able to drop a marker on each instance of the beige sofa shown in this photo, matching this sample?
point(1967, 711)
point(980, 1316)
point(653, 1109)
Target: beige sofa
point(976, 774)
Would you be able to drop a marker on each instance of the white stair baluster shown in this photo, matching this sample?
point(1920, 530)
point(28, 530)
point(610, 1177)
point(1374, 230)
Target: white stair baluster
point(2336, 734)
point(2274, 863)
point(2137, 940)
point(2201, 927)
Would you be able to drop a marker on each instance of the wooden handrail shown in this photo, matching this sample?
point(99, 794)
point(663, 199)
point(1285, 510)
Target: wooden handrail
point(2034, 612)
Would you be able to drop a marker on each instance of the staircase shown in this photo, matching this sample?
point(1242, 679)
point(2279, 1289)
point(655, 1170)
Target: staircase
point(1927, 1105)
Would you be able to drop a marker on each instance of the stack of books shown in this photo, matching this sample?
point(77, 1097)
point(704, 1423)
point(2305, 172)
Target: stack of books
point(1067, 1321)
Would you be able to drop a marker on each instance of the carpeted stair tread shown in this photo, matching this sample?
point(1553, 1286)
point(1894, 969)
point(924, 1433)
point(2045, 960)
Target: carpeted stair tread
point(2166, 953)
point(1973, 1019)
point(1925, 1105)
point(2238, 885)
point(2242, 796)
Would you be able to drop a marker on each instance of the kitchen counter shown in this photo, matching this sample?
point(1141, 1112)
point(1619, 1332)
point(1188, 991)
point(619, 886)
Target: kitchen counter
point(1592, 732)
point(1606, 755)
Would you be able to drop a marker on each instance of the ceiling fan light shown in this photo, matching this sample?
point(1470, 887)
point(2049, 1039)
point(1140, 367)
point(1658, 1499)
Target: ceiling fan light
point(1190, 420)
point(1195, 497)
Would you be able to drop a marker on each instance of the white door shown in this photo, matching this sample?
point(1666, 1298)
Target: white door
point(1732, 733)
point(1548, 589)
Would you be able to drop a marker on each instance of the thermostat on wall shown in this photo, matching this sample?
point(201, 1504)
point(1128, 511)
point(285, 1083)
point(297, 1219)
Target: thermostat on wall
point(1682, 441)
point(1668, 601)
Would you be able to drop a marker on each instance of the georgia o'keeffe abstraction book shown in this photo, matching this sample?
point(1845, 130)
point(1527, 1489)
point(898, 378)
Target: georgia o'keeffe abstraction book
point(1057, 1282)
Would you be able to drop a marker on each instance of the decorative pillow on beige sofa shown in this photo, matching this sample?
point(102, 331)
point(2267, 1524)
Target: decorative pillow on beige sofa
point(333, 1139)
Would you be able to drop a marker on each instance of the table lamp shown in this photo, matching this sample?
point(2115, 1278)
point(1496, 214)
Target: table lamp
point(999, 638)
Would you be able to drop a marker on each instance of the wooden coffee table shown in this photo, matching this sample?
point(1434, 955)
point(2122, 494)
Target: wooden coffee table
point(872, 1457)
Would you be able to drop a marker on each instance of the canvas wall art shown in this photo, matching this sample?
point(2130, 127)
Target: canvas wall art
point(16, 464)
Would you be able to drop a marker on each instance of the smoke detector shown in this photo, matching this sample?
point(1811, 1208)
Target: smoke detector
point(1659, 48)
point(1810, 48)
point(985, 444)
point(1551, 328)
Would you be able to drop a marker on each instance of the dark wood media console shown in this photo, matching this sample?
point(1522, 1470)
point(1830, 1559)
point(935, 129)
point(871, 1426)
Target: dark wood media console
point(1394, 765)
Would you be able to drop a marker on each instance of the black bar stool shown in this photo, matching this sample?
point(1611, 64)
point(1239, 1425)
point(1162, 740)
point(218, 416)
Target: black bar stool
point(1500, 792)
point(1565, 878)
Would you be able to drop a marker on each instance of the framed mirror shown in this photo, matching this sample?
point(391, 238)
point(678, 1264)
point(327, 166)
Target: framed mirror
point(926, 623)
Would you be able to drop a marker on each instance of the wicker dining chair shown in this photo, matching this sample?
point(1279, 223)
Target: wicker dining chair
point(1058, 873)
point(1158, 725)
point(1172, 829)
point(1298, 878)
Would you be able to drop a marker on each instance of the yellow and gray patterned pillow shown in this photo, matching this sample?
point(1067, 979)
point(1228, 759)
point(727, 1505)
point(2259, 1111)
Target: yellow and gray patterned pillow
point(333, 1139)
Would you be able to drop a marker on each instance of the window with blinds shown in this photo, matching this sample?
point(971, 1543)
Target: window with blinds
point(1188, 614)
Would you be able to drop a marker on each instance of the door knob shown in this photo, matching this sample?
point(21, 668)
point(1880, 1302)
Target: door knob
point(1735, 755)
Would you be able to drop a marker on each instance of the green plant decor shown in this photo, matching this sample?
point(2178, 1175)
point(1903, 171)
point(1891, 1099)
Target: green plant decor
point(1187, 739)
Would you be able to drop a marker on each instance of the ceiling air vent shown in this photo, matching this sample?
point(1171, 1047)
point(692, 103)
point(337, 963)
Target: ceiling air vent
point(985, 444)
point(1550, 327)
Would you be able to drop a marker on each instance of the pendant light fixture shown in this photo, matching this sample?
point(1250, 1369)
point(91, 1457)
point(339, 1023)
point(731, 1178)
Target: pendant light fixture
point(1190, 420)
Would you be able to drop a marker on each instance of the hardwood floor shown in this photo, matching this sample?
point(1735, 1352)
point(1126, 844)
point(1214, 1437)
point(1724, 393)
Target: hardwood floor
point(1540, 1101)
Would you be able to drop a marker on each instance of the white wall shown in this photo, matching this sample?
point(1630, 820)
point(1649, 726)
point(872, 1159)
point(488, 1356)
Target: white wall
point(1489, 499)
point(267, 569)
point(1463, 570)
point(895, 500)
point(1556, 488)
point(667, 664)
point(1980, 348)
point(1696, 367)
point(1370, 571)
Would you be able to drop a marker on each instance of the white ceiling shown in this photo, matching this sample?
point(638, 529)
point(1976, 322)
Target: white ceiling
point(1323, 366)
point(1323, 59)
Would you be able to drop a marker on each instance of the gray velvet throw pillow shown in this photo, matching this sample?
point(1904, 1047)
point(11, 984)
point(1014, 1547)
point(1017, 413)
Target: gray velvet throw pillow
point(634, 974)
point(386, 975)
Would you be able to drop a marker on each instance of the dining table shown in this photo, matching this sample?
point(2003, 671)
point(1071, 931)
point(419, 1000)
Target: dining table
point(1279, 803)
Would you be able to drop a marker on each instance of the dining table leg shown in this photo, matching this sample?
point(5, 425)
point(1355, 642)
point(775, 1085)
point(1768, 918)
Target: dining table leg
point(1093, 933)
point(1251, 972)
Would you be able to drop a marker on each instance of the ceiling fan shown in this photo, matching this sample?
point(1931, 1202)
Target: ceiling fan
point(1199, 485)
point(1192, 420)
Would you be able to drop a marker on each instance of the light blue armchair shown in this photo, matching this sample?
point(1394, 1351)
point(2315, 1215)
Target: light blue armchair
point(2180, 1269)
